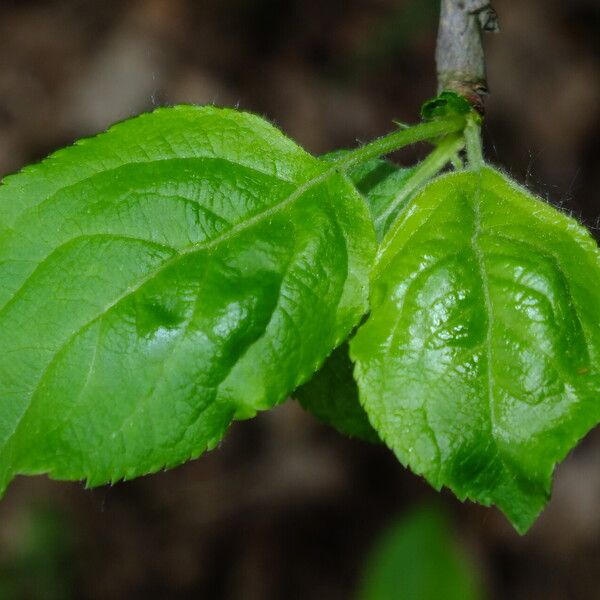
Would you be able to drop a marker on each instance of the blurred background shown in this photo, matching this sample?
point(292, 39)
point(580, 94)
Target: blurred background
point(286, 508)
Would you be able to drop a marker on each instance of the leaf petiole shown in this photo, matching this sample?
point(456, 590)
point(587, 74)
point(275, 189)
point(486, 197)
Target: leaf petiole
point(472, 135)
point(422, 132)
point(445, 152)
point(457, 162)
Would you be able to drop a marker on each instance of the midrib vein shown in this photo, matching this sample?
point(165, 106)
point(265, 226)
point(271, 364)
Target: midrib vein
point(476, 207)
point(227, 235)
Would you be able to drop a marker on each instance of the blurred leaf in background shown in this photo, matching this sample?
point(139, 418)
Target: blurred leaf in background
point(417, 558)
point(37, 564)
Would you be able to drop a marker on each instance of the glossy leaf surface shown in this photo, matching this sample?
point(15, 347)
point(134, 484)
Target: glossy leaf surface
point(186, 268)
point(480, 363)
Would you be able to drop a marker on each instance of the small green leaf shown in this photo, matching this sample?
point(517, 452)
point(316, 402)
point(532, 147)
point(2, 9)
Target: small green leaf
point(186, 268)
point(417, 559)
point(380, 182)
point(332, 396)
point(445, 105)
point(480, 362)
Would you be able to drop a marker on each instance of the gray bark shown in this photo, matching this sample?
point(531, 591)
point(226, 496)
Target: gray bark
point(459, 55)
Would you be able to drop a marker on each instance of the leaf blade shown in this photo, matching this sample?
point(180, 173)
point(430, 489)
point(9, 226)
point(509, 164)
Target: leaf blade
point(147, 300)
point(467, 400)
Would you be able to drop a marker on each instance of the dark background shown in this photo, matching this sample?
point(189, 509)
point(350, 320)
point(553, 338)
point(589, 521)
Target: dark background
point(286, 508)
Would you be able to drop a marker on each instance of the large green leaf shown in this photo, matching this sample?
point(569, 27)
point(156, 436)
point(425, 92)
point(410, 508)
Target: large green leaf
point(480, 363)
point(188, 267)
point(418, 559)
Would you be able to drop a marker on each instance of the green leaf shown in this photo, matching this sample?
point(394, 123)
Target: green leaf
point(381, 182)
point(480, 363)
point(417, 559)
point(186, 268)
point(445, 105)
point(332, 396)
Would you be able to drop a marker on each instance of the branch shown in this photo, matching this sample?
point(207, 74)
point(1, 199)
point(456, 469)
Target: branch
point(459, 55)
